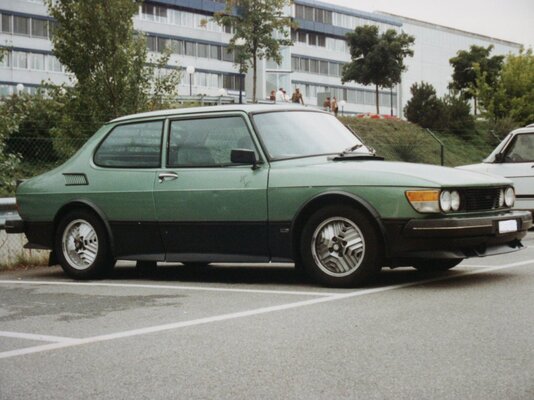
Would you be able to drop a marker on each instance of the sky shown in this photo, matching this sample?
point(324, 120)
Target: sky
point(511, 20)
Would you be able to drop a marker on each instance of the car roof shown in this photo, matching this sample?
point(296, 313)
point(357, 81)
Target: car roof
point(211, 109)
point(527, 129)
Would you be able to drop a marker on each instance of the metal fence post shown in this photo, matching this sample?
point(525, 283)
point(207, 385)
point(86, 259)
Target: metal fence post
point(441, 145)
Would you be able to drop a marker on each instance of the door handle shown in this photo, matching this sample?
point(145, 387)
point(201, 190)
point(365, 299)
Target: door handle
point(167, 176)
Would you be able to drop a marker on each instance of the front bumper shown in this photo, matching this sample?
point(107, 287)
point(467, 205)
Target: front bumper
point(456, 237)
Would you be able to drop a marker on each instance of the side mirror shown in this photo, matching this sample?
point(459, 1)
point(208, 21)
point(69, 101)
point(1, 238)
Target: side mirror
point(242, 156)
point(499, 158)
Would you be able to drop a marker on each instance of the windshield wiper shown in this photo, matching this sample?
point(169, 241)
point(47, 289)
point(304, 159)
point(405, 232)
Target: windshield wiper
point(349, 150)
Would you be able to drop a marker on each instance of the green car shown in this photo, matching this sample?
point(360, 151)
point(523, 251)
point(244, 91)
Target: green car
point(260, 183)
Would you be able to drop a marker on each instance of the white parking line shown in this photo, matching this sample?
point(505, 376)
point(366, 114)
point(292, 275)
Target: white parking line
point(242, 314)
point(199, 288)
point(41, 338)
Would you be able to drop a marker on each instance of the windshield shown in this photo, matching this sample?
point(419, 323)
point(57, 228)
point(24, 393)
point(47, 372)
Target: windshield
point(293, 134)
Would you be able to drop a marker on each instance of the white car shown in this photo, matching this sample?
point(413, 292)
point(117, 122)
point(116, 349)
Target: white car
point(513, 158)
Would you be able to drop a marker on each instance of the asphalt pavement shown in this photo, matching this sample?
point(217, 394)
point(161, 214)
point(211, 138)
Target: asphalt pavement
point(262, 332)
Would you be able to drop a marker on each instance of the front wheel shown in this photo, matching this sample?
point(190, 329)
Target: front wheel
point(81, 245)
point(340, 247)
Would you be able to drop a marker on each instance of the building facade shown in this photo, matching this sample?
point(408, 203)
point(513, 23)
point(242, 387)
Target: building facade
point(313, 63)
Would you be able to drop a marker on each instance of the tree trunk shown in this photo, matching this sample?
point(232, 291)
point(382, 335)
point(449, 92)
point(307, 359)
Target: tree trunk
point(377, 103)
point(475, 98)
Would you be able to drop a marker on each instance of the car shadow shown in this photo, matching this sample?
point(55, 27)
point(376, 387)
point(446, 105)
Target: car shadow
point(285, 275)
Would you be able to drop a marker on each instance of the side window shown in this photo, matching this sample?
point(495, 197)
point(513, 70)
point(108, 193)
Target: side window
point(521, 149)
point(207, 142)
point(135, 145)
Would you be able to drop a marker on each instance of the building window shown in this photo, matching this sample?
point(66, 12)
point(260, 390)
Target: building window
point(20, 59)
point(152, 43)
point(40, 27)
point(215, 52)
point(202, 50)
point(6, 23)
point(190, 49)
point(21, 25)
point(38, 62)
point(53, 64)
point(301, 37)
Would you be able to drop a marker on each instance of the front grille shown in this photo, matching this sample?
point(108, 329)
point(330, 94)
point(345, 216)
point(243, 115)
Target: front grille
point(480, 199)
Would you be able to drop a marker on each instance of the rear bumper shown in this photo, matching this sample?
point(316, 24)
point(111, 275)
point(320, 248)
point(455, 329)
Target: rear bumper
point(14, 226)
point(458, 238)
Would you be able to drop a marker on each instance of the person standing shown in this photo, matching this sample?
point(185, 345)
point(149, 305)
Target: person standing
point(334, 106)
point(280, 96)
point(297, 97)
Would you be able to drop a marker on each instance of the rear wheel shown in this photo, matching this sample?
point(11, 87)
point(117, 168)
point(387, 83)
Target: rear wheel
point(430, 265)
point(82, 247)
point(340, 247)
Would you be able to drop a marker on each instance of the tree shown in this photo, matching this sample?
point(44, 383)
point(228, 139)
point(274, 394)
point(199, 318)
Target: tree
point(377, 59)
point(424, 108)
point(95, 40)
point(263, 27)
point(457, 116)
point(464, 77)
point(512, 94)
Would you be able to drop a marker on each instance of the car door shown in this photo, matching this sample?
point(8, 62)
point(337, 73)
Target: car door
point(518, 165)
point(121, 185)
point(208, 208)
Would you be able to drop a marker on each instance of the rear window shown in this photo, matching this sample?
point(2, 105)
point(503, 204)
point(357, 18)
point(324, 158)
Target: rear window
point(136, 145)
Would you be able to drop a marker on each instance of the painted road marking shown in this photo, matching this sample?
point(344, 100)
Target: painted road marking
point(199, 288)
point(41, 338)
point(243, 314)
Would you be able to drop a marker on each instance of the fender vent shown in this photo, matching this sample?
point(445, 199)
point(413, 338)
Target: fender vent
point(75, 179)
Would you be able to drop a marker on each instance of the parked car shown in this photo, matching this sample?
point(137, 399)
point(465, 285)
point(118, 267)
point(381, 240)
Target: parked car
point(260, 183)
point(513, 158)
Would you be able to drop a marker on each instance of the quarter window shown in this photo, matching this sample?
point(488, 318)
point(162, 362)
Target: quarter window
point(207, 142)
point(132, 145)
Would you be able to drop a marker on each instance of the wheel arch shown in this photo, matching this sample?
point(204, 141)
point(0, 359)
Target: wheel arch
point(330, 198)
point(85, 204)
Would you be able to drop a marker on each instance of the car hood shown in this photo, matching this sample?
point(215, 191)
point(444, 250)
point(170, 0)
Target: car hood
point(326, 172)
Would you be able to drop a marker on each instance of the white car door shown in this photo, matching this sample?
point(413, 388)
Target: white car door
point(517, 163)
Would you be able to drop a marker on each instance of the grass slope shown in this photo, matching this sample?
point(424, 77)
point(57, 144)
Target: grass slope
point(398, 140)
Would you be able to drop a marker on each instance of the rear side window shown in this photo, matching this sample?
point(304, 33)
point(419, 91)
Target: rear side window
point(135, 145)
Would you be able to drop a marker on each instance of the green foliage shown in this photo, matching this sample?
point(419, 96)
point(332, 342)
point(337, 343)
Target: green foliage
point(424, 108)
point(465, 66)
point(377, 59)
point(511, 96)
point(95, 40)
point(452, 113)
point(398, 140)
point(263, 27)
point(457, 117)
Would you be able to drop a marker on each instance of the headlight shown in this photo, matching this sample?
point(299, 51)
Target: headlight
point(445, 201)
point(501, 198)
point(424, 201)
point(455, 200)
point(509, 197)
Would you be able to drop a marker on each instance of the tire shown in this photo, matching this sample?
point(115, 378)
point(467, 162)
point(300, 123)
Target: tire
point(326, 250)
point(437, 265)
point(82, 245)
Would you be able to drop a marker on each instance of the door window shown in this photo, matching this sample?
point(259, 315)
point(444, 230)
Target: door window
point(207, 142)
point(521, 149)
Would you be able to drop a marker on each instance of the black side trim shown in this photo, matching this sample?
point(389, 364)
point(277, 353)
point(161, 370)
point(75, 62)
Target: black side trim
point(248, 238)
point(137, 240)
